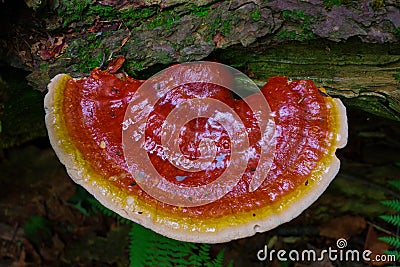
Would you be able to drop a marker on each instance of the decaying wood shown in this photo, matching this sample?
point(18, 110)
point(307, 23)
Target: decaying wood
point(362, 75)
point(350, 48)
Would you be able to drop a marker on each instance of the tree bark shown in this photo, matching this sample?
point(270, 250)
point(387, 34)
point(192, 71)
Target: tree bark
point(350, 47)
point(362, 75)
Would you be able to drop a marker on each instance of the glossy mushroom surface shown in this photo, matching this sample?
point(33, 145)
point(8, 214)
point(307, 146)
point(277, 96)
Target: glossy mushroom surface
point(85, 117)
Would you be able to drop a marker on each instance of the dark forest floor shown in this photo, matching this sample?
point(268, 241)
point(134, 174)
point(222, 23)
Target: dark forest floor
point(43, 224)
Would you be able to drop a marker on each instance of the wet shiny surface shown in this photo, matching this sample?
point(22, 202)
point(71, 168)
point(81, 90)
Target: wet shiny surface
point(94, 109)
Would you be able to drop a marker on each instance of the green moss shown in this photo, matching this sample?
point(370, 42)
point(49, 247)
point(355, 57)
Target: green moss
point(396, 76)
point(288, 34)
point(88, 11)
point(135, 13)
point(105, 12)
point(301, 26)
point(164, 57)
point(132, 67)
point(133, 16)
point(73, 10)
point(373, 105)
point(165, 19)
point(44, 66)
point(226, 28)
point(377, 4)
point(255, 15)
point(35, 228)
point(90, 53)
point(396, 32)
point(208, 30)
point(91, 37)
point(332, 3)
point(292, 15)
point(200, 11)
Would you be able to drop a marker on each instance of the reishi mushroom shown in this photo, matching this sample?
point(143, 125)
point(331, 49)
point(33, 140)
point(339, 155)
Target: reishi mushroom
point(85, 117)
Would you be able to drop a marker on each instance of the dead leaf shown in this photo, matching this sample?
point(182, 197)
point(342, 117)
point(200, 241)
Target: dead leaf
point(250, 74)
point(52, 253)
point(124, 41)
point(116, 64)
point(39, 45)
point(30, 252)
point(377, 247)
point(25, 57)
point(51, 48)
point(45, 54)
point(58, 40)
point(219, 39)
point(20, 262)
point(121, 76)
point(343, 227)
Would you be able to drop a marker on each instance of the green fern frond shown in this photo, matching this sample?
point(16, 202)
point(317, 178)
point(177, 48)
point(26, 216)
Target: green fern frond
point(391, 240)
point(204, 253)
point(395, 184)
point(393, 204)
point(395, 253)
point(218, 261)
point(97, 206)
point(392, 219)
point(148, 248)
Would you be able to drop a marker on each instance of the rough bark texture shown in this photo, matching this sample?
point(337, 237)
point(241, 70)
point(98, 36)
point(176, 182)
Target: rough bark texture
point(349, 46)
point(76, 36)
point(362, 75)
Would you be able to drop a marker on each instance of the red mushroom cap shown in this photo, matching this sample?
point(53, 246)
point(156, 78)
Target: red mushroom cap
point(85, 119)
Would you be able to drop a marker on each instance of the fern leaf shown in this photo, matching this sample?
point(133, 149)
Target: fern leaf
point(395, 253)
point(148, 248)
point(391, 240)
point(395, 184)
point(392, 219)
point(392, 204)
point(218, 261)
point(204, 253)
point(140, 246)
